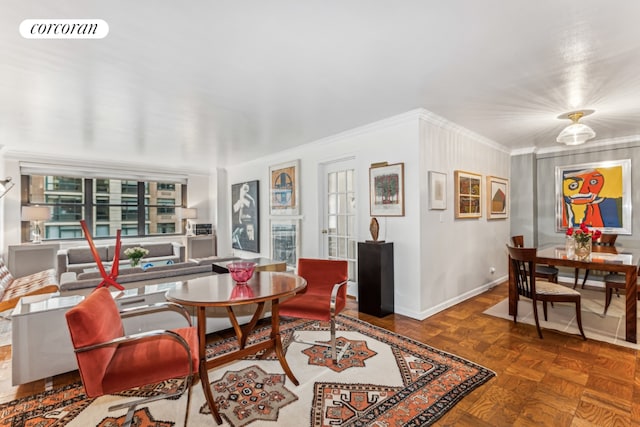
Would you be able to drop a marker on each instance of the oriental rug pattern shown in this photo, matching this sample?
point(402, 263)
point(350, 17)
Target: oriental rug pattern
point(382, 379)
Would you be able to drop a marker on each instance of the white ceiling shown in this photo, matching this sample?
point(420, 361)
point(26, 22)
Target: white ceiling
point(212, 82)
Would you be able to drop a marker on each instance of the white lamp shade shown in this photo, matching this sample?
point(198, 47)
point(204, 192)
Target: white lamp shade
point(576, 134)
point(188, 213)
point(35, 213)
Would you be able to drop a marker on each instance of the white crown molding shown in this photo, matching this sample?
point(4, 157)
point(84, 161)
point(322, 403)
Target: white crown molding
point(31, 157)
point(440, 121)
point(523, 151)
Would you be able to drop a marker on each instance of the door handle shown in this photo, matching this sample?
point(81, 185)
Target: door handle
point(324, 231)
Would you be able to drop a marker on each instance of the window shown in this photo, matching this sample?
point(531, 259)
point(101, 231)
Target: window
point(163, 186)
point(138, 208)
point(166, 207)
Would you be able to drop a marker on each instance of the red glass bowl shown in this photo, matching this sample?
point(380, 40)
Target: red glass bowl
point(241, 272)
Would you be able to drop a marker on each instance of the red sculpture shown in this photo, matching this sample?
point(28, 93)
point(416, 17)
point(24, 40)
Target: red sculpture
point(107, 279)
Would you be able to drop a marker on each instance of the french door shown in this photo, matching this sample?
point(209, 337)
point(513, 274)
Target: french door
point(339, 213)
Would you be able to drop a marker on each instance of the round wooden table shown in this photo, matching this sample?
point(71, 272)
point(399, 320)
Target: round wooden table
point(221, 291)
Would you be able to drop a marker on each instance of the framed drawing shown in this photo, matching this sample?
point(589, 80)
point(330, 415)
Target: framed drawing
point(386, 189)
point(437, 190)
point(285, 241)
point(497, 198)
point(468, 194)
point(284, 188)
point(245, 221)
point(598, 194)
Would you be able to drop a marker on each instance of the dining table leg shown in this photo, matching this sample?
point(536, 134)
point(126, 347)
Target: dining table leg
point(513, 294)
point(277, 342)
point(631, 298)
point(202, 353)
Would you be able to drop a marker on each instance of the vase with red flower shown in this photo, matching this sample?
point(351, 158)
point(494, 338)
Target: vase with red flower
point(583, 238)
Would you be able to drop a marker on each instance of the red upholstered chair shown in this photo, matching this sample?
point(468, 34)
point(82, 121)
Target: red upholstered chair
point(324, 297)
point(110, 362)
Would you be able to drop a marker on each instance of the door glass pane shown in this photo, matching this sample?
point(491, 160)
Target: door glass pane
point(342, 203)
point(351, 250)
point(333, 183)
point(333, 204)
point(342, 225)
point(350, 180)
point(333, 224)
point(342, 247)
point(342, 182)
point(333, 247)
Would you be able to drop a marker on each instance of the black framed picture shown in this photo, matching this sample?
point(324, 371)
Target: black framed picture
point(245, 214)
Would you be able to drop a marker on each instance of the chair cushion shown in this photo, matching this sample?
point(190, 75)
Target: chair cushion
point(321, 276)
point(94, 320)
point(309, 306)
point(547, 288)
point(84, 255)
point(546, 269)
point(151, 360)
point(617, 279)
point(158, 249)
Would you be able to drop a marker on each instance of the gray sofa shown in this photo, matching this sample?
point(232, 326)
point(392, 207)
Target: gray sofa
point(77, 260)
point(71, 281)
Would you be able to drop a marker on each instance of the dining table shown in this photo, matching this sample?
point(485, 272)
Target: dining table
point(612, 259)
point(220, 290)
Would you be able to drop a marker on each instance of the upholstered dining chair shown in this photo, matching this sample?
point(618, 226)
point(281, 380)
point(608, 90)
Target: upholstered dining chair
point(603, 240)
point(110, 362)
point(324, 297)
point(542, 271)
point(523, 262)
point(613, 281)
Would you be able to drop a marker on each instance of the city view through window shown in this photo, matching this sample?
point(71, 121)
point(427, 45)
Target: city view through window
point(138, 208)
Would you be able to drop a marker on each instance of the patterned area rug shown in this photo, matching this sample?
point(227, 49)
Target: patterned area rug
point(382, 379)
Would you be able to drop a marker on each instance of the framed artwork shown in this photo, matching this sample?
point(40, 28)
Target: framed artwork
point(285, 241)
point(245, 220)
point(497, 198)
point(468, 199)
point(284, 197)
point(598, 194)
point(386, 189)
point(437, 190)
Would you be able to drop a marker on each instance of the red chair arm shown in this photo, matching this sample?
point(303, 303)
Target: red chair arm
point(138, 337)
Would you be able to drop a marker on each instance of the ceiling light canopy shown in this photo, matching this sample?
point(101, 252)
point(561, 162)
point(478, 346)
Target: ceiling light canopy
point(576, 133)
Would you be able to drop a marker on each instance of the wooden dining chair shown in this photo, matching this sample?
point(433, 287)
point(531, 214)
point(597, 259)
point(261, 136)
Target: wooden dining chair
point(603, 240)
point(547, 272)
point(523, 261)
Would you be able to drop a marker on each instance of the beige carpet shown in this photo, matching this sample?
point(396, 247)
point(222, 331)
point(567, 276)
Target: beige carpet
point(562, 317)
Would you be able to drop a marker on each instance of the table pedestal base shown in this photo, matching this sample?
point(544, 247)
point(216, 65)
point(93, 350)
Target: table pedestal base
point(242, 334)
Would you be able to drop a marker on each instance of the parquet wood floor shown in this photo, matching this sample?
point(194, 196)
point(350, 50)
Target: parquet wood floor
point(558, 381)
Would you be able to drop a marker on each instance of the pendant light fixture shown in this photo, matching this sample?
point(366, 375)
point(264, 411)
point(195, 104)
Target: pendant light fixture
point(576, 133)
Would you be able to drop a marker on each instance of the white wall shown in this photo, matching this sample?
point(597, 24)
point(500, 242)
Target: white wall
point(437, 264)
point(392, 140)
point(457, 254)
